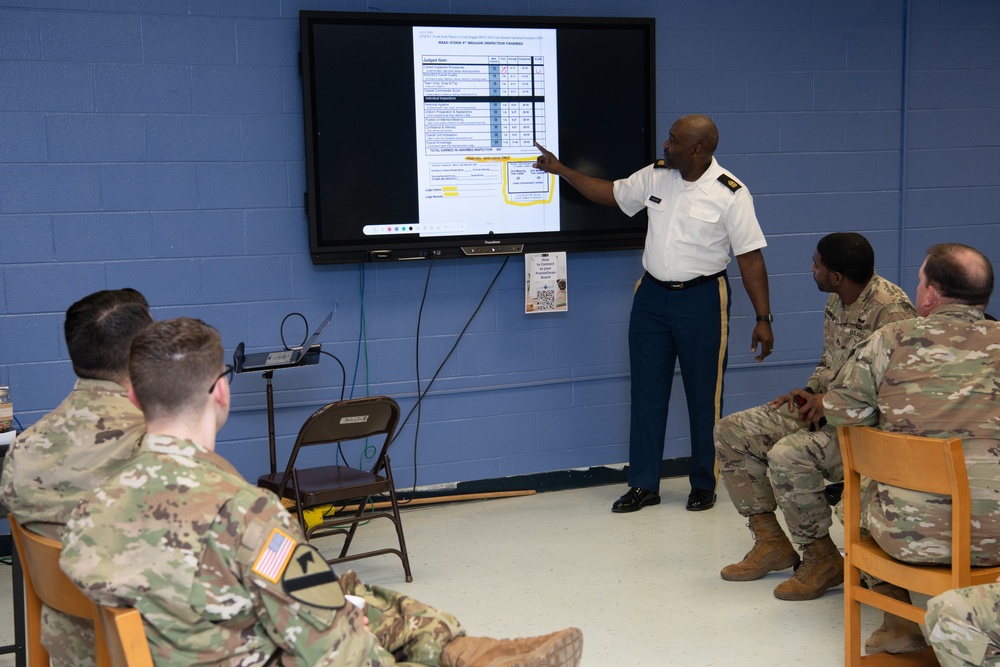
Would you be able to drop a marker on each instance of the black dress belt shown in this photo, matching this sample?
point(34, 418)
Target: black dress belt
point(687, 284)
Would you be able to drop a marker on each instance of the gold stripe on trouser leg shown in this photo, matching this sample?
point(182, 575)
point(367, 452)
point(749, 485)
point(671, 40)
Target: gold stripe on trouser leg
point(723, 345)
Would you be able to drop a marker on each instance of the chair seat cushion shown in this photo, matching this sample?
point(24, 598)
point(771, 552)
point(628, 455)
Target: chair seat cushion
point(328, 484)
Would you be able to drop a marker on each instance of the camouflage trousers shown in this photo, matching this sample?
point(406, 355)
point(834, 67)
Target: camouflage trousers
point(68, 639)
point(916, 527)
point(964, 626)
point(412, 631)
point(768, 458)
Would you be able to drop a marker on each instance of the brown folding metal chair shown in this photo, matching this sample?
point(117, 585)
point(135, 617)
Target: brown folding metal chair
point(332, 426)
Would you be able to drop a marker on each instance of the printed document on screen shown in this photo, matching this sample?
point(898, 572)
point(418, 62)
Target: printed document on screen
point(483, 97)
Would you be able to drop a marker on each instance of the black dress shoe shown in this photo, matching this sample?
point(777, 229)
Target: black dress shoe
point(700, 499)
point(635, 500)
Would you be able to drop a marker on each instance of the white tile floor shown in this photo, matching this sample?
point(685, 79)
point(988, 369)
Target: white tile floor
point(643, 587)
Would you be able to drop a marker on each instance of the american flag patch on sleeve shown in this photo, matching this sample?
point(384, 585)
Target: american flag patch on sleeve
point(273, 558)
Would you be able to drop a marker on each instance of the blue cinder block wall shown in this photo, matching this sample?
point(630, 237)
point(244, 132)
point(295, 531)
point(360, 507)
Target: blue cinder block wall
point(159, 145)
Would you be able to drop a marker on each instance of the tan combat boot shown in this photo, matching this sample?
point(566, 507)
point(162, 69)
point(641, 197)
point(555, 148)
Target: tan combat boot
point(895, 635)
point(771, 551)
point(822, 568)
point(559, 649)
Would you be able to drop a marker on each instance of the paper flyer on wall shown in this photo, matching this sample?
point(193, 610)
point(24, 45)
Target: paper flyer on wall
point(545, 282)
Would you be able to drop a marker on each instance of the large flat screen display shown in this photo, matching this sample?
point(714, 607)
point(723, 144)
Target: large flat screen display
point(421, 131)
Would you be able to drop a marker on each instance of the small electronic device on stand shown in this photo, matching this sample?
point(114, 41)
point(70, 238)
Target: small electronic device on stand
point(268, 362)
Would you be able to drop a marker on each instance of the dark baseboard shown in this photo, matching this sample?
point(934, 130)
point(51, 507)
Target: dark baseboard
point(557, 480)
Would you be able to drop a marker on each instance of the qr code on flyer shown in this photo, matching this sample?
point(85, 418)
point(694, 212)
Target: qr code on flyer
point(545, 299)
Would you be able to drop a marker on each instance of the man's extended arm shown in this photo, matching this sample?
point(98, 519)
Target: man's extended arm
point(597, 190)
point(755, 282)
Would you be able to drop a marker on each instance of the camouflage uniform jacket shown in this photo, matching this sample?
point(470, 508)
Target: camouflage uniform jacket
point(202, 554)
point(845, 326)
point(932, 376)
point(61, 458)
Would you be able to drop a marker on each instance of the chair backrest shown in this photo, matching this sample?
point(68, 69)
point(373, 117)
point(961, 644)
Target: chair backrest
point(928, 465)
point(45, 583)
point(348, 420)
point(125, 637)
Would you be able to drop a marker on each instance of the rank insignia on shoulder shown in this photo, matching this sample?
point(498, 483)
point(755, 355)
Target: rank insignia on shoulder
point(729, 182)
point(310, 580)
point(660, 164)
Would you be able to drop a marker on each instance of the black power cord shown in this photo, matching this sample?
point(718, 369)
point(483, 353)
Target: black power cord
point(281, 330)
point(305, 337)
point(416, 360)
point(423, 392)
point(343, 372)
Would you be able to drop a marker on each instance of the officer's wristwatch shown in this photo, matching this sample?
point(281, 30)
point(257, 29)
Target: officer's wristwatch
point(765, 318)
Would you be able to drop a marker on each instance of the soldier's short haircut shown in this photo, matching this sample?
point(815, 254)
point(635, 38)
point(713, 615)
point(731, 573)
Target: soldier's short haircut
point(959, 272)
point(706, 131)
point(172, 364)
point(99, 329)
point(848, 253)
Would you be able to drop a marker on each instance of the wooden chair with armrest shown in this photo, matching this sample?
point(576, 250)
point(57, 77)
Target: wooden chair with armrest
point(45, 583)
point(929, 465)
point(120, 639)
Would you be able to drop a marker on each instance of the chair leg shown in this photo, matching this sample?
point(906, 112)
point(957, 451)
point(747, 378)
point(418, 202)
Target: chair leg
point(852, 617)
point(399, 523)
point(298, 503)
point(353, 528)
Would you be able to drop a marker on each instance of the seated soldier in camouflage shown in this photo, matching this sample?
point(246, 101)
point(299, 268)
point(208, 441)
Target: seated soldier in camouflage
point(963, 626)
point(95, 430)
point(219, 570)
point(778, 454)
point(936, 375)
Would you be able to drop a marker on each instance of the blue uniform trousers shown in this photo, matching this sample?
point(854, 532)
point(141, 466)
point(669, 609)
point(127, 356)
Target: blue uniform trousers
point(692, 326)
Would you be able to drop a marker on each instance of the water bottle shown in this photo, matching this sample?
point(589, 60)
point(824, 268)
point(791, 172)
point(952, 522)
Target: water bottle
point(6, 410)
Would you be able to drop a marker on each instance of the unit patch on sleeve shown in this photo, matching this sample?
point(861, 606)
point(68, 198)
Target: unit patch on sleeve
point(729, 182)
point(309, 579)
point(273, 557)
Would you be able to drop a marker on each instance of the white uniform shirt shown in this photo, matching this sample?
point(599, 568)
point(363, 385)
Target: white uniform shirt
point(692, 226)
